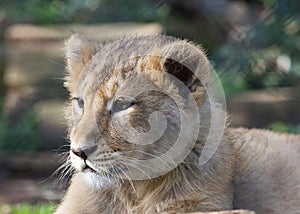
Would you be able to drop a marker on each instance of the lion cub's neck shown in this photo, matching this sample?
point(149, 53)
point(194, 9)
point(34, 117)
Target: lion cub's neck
point(141, 195)
point(154, 187)
point(185, 183)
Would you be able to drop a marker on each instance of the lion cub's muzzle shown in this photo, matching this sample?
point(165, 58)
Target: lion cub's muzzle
point(79, 157)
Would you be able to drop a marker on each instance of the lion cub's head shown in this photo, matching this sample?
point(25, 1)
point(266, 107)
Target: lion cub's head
point(134, 104)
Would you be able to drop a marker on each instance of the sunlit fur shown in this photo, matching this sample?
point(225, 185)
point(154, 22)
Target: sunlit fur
point(251, 169)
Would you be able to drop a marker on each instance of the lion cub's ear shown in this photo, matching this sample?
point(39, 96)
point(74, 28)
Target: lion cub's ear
point(78, 51)
point(188, 63)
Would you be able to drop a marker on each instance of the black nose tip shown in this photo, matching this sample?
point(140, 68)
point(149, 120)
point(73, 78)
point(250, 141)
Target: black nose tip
point(80, 153)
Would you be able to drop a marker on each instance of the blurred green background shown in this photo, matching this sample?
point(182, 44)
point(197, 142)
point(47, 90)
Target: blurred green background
point(254, 45)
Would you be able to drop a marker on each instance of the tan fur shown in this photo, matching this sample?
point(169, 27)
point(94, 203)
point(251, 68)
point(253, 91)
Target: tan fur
point(151, 63)
point(251, 169)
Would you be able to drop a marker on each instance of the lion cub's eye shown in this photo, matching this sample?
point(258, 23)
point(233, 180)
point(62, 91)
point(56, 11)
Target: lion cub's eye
point(121, 104)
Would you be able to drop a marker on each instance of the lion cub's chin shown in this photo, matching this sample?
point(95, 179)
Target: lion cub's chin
point(96, 180)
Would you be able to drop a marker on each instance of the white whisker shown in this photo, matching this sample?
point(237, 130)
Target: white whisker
point(128, 178)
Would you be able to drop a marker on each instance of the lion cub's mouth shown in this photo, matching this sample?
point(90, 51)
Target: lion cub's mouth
point(88, 168)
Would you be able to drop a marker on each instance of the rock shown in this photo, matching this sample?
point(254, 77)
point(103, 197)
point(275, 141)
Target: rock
point(56, 33)
point(262, 107)
point(219, 212)
point(228, 212)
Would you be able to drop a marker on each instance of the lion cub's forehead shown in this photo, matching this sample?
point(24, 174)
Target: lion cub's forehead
point(104, 88)
point(109, 87)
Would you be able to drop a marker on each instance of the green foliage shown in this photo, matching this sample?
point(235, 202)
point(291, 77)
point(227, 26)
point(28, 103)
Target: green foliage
point(27, 209)
point(87, 11)
point(284, 127)
point(268, 54)
point(20, 136)
point(232, 85)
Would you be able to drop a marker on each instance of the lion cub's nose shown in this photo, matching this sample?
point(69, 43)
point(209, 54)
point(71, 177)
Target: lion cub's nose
point(84, 151)
point(80, 153)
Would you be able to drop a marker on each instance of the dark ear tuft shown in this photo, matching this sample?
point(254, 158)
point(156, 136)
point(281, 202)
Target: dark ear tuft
point(187, 77)
point(188, 63)
point(182, 73)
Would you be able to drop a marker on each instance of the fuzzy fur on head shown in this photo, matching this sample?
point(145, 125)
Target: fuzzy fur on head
point(131, 100)
point(149, 74)
point(78, 52)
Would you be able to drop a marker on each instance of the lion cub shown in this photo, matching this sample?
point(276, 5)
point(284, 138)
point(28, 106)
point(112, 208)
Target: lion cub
point(149, 136)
